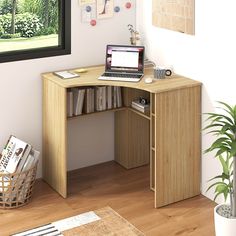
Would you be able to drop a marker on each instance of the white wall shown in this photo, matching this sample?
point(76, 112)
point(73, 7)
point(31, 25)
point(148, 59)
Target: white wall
point(208, 57)
point(21, 90)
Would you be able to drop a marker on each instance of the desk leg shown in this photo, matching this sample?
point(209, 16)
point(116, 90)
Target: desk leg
point(54, 137)
point(178, 145)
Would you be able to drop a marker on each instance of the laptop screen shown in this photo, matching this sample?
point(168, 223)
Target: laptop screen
point(128, 59)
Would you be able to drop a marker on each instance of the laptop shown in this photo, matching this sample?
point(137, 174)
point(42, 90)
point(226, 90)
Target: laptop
point(124, 63)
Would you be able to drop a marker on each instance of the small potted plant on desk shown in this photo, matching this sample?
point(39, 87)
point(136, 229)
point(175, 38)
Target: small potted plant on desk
point(223, 126)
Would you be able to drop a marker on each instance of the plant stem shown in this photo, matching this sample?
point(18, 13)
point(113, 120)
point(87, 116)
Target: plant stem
point(234, 189)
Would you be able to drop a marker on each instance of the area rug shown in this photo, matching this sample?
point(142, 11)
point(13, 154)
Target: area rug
point(102, 222)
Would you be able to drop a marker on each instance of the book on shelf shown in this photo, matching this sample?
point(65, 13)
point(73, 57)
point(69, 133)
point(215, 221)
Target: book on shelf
point(89, 100)
point(69, 103)
point(75, 92)
point(140, 107)
point(81, 101)
point(103, 98)
point(114, 97)
point(119, 98)
point(100, 98)
point(78, 100)
point(109, 97)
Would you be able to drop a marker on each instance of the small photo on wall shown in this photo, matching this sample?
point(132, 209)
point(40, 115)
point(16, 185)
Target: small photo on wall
point(105, 9)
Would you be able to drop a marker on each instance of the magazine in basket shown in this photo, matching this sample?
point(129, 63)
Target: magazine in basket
point(17, 156)
point(14, 155)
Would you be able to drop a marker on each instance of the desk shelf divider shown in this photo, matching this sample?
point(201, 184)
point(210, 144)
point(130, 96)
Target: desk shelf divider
point(96, 112)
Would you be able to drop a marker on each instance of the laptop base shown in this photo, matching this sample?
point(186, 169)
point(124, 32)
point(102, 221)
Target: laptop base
point(119, 79)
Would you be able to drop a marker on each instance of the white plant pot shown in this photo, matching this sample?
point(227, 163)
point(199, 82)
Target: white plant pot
point(224, 226)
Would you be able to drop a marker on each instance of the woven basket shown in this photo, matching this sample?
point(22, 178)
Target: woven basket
point(16, 189)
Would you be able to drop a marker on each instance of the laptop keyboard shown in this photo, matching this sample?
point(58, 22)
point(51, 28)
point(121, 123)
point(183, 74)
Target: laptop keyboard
point(121, 77)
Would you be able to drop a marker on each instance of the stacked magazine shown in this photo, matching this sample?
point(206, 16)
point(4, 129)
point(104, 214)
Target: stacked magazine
point(144, 108)
point(17, 157)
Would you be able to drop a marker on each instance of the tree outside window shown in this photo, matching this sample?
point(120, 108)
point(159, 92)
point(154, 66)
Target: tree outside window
point(27, 25)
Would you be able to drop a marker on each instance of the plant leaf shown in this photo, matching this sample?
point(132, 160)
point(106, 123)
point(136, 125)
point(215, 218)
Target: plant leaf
point(222, 150)
point(216, 183)
point(228, 109)
point(233, 148)
point(213, 125)
point(221, 188)
point(216, 196)
point(224, 165)
point(223, 177)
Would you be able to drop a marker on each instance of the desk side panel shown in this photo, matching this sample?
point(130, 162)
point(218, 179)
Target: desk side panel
point(121, 138)
point(54, 136)
point(178, 145)
point(139, 140)
point(132, 144)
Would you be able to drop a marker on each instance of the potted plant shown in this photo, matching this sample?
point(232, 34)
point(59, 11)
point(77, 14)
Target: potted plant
point(223, 126)
point(135, 38)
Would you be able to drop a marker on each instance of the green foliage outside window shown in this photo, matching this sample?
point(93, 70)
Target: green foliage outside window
point(28, 17)
point(26, 25)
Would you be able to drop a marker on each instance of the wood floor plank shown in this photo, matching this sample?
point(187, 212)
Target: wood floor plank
point(127, 192)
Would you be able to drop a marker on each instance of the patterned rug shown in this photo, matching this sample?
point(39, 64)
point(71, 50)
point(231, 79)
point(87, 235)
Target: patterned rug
point(102, 222)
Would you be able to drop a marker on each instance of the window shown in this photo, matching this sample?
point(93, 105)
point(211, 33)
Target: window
point(34, 28)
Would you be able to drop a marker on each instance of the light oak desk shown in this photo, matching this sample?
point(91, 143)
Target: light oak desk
point(168, 137)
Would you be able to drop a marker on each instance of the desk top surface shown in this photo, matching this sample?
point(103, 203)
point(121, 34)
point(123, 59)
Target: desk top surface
point(89, 78)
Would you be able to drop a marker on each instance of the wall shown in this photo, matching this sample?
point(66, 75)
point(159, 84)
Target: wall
point(21, 91)
point(207, 57)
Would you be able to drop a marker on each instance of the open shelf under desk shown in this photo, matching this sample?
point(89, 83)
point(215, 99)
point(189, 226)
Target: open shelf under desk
point(145, 115)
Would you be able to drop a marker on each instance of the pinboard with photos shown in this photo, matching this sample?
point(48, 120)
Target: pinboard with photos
point(92, 11)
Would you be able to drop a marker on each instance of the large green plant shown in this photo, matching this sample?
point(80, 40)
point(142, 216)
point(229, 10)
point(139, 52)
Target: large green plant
point(223, 126)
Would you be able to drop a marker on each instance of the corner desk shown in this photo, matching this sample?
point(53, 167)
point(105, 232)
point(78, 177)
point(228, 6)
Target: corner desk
point(169, 138)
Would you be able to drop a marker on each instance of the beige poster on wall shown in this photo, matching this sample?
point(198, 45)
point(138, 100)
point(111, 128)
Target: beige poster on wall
point(85, 2)
point(177, 15)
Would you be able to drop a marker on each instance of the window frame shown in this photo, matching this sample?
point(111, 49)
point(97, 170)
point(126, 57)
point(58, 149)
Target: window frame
point(64, 47)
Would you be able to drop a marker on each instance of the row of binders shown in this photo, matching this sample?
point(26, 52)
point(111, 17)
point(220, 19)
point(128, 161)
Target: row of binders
point(92, 99)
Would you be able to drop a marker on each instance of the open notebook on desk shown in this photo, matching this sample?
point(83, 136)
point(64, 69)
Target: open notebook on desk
point(124, 63)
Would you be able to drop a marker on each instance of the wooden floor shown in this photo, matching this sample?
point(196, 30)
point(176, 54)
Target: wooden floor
point(127, 192)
